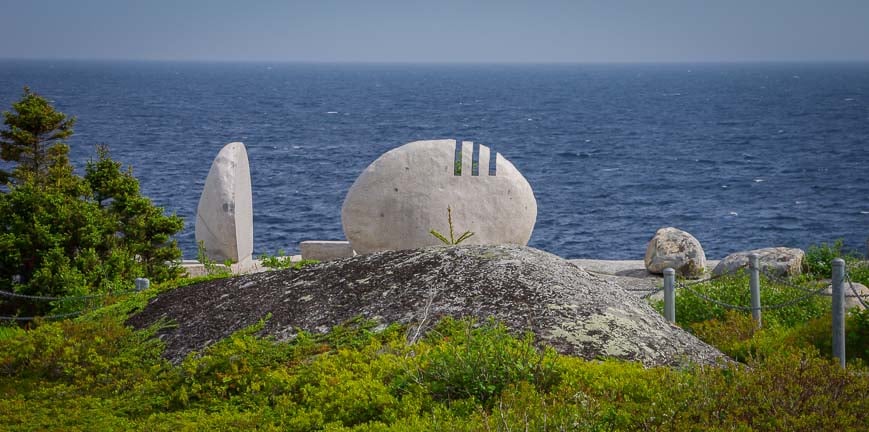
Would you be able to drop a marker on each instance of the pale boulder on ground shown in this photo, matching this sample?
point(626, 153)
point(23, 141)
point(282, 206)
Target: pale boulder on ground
point(404, 194)
point(780, 261)
point(325, 250)
point(676, 249)
point(224, 218)
point(851, 300)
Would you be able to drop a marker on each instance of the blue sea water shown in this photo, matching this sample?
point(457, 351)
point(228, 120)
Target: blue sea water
point(741, 155)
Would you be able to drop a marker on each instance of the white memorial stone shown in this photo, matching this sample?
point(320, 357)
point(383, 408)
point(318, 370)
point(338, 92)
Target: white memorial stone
point(405, 193)
point(224, 218)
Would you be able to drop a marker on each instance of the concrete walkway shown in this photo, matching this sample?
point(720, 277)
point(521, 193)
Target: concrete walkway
point(627, 268)
point(630, 274)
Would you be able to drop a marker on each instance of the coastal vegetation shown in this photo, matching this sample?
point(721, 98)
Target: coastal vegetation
point(805, 324)
point(66, 235)
point(95, 373)
point(280, 260)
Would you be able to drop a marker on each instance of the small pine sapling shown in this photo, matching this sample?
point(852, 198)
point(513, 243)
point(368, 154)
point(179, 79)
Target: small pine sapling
point(452, 241)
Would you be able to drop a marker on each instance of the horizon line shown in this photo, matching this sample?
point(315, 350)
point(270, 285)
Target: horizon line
point(437, 62)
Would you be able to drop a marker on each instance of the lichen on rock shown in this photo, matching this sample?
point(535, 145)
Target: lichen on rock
point(564, 306)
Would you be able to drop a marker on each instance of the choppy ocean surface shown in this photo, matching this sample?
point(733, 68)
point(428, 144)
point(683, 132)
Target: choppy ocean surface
point(741, 155)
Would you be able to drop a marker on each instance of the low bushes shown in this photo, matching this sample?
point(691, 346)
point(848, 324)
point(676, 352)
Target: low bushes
point(462, 361)
point(95, 373)
point(733, 289)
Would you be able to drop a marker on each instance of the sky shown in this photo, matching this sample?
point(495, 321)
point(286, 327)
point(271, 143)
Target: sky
point(437, 30)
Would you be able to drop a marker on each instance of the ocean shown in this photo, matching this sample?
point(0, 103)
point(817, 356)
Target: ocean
point(742, 156)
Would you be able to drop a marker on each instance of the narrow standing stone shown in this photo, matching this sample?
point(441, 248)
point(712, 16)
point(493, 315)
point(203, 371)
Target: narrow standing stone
point(224, 218)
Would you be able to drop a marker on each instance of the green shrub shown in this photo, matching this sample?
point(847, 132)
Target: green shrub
point(857, 334)
point(212, 268)
point(9, 331)
point(239, 364)
point(733, 289)
point(858, 271)
point(282, 261)
point(478, 362)
point(736, 335)
point(82, 352)
point(817, 333)
point(789, 390)
point(819, 258)
point(818, 261)
point(618, 395)
point(96, 374)
point(65, 235)
point(93, 370)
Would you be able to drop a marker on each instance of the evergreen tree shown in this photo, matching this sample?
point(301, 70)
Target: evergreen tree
point(62, 234)
point(34, 138)
point(146, 230)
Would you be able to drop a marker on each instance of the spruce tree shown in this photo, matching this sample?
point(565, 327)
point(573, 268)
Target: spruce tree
point(34, 138)
point(65, 235)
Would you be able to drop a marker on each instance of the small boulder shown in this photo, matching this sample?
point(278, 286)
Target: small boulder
point(779, 261)
point(851, 300)
point(224, 218)
point(674, 248)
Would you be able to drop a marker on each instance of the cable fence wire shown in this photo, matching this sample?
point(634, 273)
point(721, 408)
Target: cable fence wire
point(854, 290)
point(702, 296)
point(734, 271)
point(784, 282)
point(749, 308)
point(45, 317)
point(67, 298)
point(39, 298)
point(651, 293)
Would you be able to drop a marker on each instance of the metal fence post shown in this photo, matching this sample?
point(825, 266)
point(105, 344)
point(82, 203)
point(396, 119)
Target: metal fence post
point(142, 284)
point(754, 286)
point(670, 294)
point(839, 310)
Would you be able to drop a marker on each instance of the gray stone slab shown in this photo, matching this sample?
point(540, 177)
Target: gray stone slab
point(326, 250)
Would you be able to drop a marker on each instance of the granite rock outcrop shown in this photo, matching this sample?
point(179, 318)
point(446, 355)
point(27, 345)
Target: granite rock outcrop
point(564, 306)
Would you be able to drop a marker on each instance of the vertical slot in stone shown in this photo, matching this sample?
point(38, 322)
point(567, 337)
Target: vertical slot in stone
point(467, 157)
point(483, 163)
point(493, 163)
point(457, 159)
point(475, 160)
